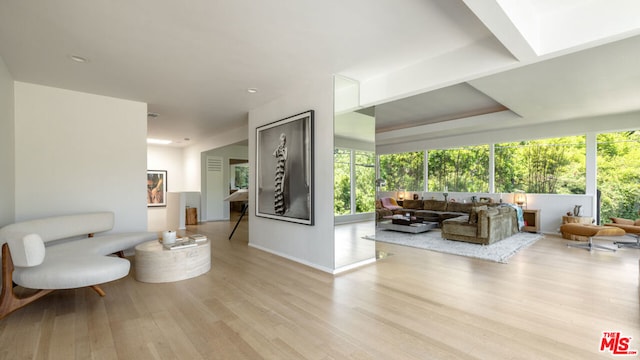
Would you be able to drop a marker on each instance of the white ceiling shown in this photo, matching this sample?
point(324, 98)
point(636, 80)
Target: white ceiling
point(193, 62)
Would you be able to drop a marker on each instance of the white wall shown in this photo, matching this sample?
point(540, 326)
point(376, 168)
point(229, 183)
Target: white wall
point(78, 152)
point(226, 152)
point(310, 245)
point(169, 159)
point(7, 152)
point(184, 167)
point(192, 154)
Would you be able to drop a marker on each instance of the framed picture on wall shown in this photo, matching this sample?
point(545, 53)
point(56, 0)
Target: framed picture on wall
point(156, 188)
point(284, 169)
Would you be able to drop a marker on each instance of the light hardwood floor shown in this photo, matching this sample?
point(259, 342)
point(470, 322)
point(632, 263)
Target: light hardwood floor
point(549, 302)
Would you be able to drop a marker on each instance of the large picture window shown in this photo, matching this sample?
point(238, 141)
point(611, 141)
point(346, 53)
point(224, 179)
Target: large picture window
point(464, 169)
point(342, 181)
point(546, 166)
point(403, 171)
point(365, 165)
point(354, 181)
point(619, 175)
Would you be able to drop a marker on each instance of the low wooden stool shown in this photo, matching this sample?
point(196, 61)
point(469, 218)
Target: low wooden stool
point(589, 231)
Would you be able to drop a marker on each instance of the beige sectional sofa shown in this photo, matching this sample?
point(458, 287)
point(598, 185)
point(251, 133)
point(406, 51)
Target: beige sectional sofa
point(484, 225)
point(435, 210)
point(470, 222)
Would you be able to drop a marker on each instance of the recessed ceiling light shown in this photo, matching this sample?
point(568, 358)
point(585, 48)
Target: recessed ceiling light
point(252, 90)
point(158, 141)
point(78, 58)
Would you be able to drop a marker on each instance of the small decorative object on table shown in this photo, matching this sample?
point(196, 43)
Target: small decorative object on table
point(181, 244)
point(576, 210)
point(198, 237)
point(168, 237)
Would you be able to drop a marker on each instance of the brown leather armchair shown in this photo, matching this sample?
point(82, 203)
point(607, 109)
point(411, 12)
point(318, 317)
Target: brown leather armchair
point(631, 227)
point(381, 211)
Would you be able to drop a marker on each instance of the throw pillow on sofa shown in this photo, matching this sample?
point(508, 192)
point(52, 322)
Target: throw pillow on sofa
point(412, 204)
point(434, 205)
point(459, 207)
point(473, 214)
point(390, 203)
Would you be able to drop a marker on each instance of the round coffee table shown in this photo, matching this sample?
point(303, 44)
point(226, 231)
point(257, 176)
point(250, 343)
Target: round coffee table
point(155, 264)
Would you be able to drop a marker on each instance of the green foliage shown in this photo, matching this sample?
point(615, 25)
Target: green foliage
point(365, 181)
point(547, 166)
point(365, 173)
point(342, 196)
point(342, 182)
point(464, 169)
point(242, 176)
point(404, 171)
point(619, 175)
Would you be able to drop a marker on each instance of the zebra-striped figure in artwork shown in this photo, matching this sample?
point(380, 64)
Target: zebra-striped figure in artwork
point(281, 160)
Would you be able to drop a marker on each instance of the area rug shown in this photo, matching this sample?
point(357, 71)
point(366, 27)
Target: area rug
point(499, 251)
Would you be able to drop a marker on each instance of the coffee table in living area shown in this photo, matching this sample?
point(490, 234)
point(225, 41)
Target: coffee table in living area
point(155, 264)
point(414, 228)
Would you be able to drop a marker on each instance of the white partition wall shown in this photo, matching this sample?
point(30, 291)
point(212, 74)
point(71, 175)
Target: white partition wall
point(173, 216)
point(310, 245)
point(7, 151)
point(215, 185)
point(175, 210)
point(77, 152)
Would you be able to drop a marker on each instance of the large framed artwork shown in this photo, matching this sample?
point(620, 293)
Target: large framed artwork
point(156, 188)
point(284, 169)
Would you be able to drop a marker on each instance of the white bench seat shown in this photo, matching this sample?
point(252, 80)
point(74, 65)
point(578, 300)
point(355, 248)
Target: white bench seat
point(68, 272)
point(63, 252)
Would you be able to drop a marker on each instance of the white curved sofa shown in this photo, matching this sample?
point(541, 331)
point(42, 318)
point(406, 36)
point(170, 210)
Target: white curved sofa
point(62, 252)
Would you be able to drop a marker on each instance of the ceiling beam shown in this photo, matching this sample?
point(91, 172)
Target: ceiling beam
point(505, 30)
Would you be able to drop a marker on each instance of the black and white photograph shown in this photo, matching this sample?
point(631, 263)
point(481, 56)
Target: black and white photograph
point(284, 169)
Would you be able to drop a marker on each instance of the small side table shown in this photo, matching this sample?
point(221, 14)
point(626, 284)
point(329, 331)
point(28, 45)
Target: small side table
point(532, 220)
point(577, 219)
point(155, 264)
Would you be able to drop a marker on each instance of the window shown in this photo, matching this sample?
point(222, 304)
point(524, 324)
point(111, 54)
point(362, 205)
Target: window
point(354, 181)
point(464, 169)
point(238, 174)
point(546, 166)
point(365, 166)
point(403, 171)
point(342, 181)
point(618, 176)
